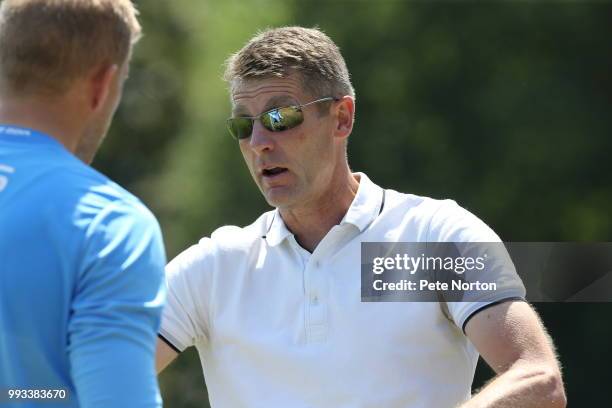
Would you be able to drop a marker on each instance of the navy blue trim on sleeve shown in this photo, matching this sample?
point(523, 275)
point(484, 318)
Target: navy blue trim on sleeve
point(488, 306)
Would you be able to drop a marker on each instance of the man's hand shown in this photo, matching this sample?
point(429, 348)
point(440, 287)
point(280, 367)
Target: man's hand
point(513, 341)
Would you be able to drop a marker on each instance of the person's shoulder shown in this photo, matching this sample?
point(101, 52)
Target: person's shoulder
point(226, 245)
point(425, 206)
point(415, 206)
point(233, 238)
point(83, 194)
point(440, 220)
point(394, 199)
point(106, 196)
point(66, 175)
point(453, 223)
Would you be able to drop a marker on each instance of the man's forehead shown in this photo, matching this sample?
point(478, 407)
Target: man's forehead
point(268, 91)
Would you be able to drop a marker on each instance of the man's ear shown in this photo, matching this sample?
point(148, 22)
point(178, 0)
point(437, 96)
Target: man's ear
point(345, 114)
point(100, 82)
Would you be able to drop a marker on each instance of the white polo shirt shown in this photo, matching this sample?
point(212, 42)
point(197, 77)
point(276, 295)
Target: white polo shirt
point(277, 326)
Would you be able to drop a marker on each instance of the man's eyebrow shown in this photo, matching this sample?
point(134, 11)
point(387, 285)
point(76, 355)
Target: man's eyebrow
point(240, 110)
point(280, 101)
point(274, 102)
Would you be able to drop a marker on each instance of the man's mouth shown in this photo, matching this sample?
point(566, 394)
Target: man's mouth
point(273, 171)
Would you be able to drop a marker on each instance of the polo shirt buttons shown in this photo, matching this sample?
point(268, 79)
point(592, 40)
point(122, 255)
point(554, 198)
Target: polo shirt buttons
point(316, 307)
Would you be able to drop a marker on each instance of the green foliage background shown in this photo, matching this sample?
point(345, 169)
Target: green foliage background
point(503, 106)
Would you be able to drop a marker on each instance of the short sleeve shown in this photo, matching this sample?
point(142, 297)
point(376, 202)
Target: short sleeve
point(452, 223)
point(116, 309)
point(189, 280)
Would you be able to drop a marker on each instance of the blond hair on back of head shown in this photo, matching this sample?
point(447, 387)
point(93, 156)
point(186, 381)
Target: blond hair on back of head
point(46, 44)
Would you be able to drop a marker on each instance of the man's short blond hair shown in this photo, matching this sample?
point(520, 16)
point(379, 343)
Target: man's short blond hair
point(46, 44)
point(279, 52)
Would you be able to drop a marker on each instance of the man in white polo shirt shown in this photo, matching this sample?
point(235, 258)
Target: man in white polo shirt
point(275, 308)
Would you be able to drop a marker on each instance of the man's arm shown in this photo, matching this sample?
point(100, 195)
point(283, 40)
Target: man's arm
point(513, 341)
point(164, 355)
point(184, 320)
point(116, 310)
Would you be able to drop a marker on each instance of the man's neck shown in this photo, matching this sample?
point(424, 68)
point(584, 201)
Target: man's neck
point(45, 116)
point(310, 223)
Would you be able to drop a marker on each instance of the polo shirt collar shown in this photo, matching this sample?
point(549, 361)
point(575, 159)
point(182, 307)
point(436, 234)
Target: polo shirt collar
point(366, 206)
point(278, 231)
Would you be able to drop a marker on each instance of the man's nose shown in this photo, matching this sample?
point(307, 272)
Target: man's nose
point(261, 139)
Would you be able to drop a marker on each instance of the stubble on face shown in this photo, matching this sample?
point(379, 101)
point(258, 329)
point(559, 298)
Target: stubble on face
point(304, 152)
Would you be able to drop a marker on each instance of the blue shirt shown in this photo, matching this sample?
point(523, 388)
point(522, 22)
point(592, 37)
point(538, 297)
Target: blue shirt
point(81, 279)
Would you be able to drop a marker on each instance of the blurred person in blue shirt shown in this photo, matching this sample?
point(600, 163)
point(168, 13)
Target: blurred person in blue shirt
point(81, 259)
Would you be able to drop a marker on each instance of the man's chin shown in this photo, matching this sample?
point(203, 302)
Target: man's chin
point(280, 197)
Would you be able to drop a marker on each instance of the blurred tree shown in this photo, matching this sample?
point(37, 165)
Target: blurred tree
point(153, 107)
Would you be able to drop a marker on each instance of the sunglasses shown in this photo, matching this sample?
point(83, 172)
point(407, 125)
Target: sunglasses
point(275, 120)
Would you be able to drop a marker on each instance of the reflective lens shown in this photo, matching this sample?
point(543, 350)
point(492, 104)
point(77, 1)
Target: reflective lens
point(281, 119)
point(275, 120)
point(240, 128)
